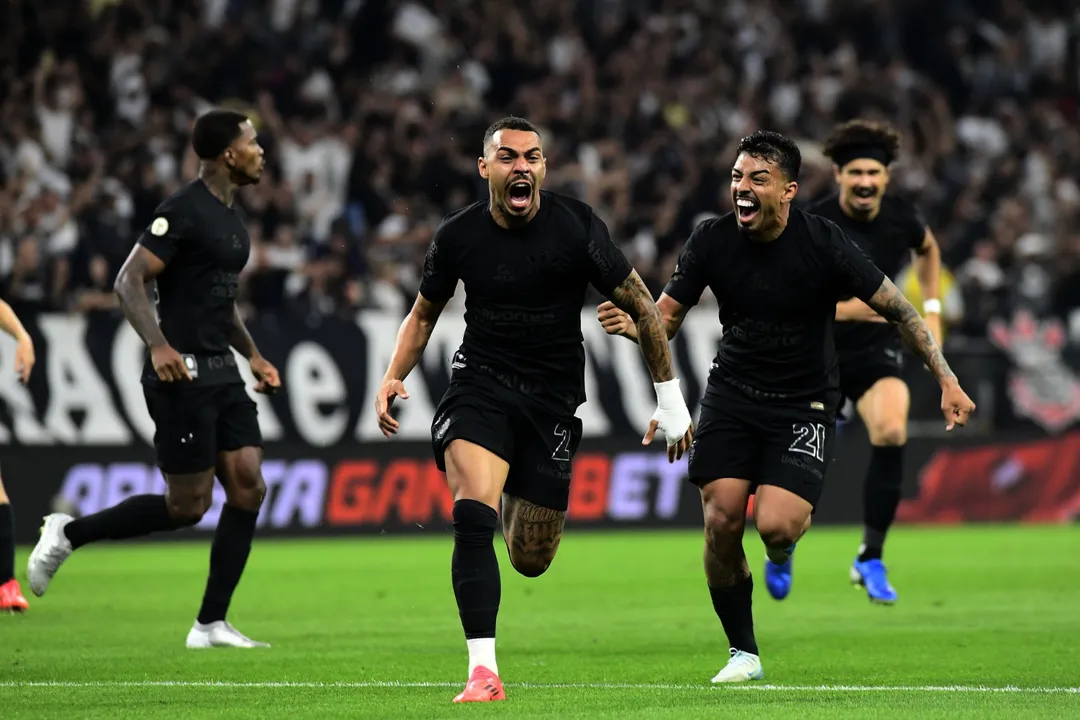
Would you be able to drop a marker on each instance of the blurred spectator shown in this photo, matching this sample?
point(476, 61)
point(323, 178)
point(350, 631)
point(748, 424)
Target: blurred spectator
point(372, 112)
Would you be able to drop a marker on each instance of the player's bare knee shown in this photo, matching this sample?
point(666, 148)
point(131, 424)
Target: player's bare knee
point(188, 497)
point(888, 434)
point(241, 472)
point(780, 532)
point(248, 496)
point(475, 473)
point(533, 533)
point(188, 506)
point(721, 521)
point(531, 565)
point(248, 489)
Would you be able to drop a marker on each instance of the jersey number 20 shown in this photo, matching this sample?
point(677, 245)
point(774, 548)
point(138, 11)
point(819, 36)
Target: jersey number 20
point(809, 440)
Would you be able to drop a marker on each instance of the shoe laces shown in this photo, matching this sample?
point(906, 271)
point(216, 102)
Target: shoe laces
point(229, 628)
point(740, 658)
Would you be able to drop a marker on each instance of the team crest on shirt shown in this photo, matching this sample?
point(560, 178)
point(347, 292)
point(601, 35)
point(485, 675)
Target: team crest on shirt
point(159, 227)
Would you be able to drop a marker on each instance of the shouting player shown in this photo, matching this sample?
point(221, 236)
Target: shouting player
point(768, 414)
point(889, 230)
point(506, 428)
point(205, 423)
point(11, 597)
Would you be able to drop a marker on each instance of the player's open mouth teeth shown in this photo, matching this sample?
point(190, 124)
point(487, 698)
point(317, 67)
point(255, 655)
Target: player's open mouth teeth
point(864, 193)
point(520, 195)
point(747, 208)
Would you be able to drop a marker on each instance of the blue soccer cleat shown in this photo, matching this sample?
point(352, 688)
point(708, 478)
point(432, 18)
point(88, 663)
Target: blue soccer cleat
point(872, 575)
point(778, 577)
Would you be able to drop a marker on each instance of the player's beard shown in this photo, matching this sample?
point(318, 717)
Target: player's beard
point(864, 201)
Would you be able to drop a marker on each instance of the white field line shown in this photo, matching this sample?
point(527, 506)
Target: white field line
point(751, 687)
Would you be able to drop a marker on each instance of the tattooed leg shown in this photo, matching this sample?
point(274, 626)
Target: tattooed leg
point(532, 534)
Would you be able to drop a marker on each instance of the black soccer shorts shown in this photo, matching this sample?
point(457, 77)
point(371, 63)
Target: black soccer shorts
point(193, 423)
point(788, 446)
point(538, 445)
point(860, 370)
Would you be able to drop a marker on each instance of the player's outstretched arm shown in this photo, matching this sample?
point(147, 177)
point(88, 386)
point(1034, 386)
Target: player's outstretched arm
point(891, 304)
point(24, 349)
point(412, 338)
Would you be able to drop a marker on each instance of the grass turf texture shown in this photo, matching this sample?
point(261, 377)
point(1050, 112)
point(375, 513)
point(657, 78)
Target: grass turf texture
point(368, 628)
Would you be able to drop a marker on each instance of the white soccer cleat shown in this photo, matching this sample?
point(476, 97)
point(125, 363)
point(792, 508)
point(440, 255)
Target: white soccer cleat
point(742, 667)
point(49, 554)
point(219, 634)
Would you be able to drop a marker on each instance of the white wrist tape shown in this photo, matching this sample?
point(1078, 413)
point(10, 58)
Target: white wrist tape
point(668, 394)
point(931, 306)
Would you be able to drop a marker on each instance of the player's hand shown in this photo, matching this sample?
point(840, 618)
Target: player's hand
point(168, 364)
point(267, 375)
point(615, 321)
point(24, 358)
point(956, 406)
point(671, 418)
point(390, 389)
point(933, 323)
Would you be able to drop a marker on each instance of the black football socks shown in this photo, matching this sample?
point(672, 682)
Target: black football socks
point(881, 497)
point(733, 605)
point(228, 556)
point(7, 543)
point(137, 516)
point(475, 568)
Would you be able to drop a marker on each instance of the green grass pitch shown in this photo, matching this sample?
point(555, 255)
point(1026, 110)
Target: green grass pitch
point(988, 625)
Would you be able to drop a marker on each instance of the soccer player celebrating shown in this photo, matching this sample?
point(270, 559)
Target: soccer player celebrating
point(506, 429)
point(205, 422)
point(889, 230)
point(11, 597)
point(768, 415)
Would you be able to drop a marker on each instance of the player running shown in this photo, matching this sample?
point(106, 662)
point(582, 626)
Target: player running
point(768, 414)
point(890, 230)
point(11, 597)
point(205, 423)
point(506, 429)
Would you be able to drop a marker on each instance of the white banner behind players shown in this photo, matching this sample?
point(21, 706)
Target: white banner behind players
point(86, 388)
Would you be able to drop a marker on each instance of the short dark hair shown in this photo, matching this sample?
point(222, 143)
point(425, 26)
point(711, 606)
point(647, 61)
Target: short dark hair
point(214, 131)
point(508, 123)
point(775, 148)
point(854, 135)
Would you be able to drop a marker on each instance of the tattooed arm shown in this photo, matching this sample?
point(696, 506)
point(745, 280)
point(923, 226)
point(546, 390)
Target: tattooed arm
point(616, 322)
point(141, 266)
point(891, 304)
point(634, 299)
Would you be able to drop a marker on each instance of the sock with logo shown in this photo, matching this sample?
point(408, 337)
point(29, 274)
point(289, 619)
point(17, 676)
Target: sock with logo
point(228, 556)
point(475, 574)
point(7, 543)
point(137, 516)
point(734, 607)
point(881, 497)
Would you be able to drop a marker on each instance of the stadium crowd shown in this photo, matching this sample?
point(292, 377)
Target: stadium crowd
point(372, 113)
